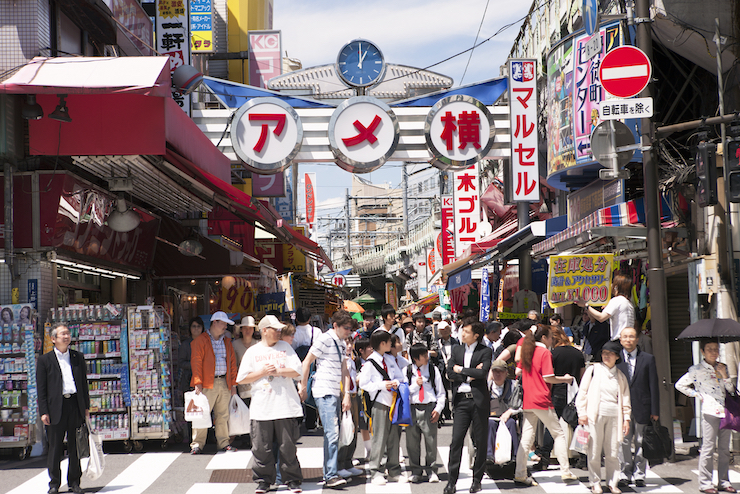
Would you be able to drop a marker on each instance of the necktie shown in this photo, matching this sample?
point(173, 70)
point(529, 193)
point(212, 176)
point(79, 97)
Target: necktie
point(629, 365)
point(385, 367)
point(421, 389)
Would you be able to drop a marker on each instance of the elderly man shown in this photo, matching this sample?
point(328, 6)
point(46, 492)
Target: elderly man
point(271, 366)
point(214, 374)
point(64, 402)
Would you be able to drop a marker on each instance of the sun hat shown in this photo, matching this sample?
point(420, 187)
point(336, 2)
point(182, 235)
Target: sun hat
point(221, 316)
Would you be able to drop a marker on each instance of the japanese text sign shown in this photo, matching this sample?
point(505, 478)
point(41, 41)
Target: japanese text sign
point(459, 130)
point(363, 134)
point(201, 26)
point(268, 302)
point(446, 239)
point(266, 134)
point(293, 259)
point(485, 296)
point(237, 298)
point(172, 39)
point(284, 205)
point(525, 173)
point(268, 185)
point(265, 57)
point(586, 276)
point(466, 208)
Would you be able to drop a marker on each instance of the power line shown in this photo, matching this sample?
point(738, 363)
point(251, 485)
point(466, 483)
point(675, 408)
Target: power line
point(474, 42)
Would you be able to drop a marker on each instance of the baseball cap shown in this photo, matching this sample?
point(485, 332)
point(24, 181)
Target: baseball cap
point(407, 320)
point(443, 325)
point(498, 364)
point(271, 322)
point(221, 316)
point(247, 321)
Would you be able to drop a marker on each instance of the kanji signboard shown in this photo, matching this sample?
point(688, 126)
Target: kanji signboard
point(617, 109)
point(523, 113)
point(363, 134)
point(625, 71)
point(466, 208)
point(172, 39)
point(587, 276)
point(459, 131)
point(266, 134)
point(201, 26)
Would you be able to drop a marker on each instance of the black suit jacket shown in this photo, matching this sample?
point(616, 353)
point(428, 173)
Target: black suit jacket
point(49, 384)
point(644, 393)
point(479, 384)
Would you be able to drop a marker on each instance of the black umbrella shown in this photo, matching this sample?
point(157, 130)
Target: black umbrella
point(722, 330)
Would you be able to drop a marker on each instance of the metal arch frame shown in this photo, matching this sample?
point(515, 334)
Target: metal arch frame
point(438, 159)
point(344, 161)
point(277, 166)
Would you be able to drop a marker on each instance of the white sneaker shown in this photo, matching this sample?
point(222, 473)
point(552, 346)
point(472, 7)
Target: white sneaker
point(345, 474)
point(379, 480)
point(433, 478)
point(403, 479)
point(356, 471)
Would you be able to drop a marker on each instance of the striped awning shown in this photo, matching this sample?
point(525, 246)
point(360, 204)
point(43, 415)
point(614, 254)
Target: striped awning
point(630, 213)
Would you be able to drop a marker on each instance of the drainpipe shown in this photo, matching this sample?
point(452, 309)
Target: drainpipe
point(9, 251)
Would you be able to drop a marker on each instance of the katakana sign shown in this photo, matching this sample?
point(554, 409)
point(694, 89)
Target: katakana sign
point(523, 112)
point(266, 134)
point(459, 131)
point(467, 208)
point(363, 134)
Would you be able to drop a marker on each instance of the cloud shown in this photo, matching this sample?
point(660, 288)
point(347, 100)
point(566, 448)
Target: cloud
point(412, 32)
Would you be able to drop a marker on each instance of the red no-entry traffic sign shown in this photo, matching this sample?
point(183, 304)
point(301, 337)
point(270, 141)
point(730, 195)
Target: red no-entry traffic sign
point(625, 71)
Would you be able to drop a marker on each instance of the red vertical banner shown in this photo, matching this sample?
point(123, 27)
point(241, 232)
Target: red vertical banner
point(446, 246)
point(310, 199)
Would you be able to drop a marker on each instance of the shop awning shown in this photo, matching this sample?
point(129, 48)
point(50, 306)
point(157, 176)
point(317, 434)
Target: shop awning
point(625, 220)
point(92, 75)
point(524, 238)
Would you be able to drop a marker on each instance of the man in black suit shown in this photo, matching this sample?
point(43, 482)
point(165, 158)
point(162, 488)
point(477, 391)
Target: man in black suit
point(595, 335)
point(445, 343)
point(642, 375)
point(64, 401)
point(467, 369)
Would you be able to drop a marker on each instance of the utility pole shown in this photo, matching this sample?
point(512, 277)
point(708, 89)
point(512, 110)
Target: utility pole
point(346, 221)
point(405, 199)
point(656, 273)
point(294, 190)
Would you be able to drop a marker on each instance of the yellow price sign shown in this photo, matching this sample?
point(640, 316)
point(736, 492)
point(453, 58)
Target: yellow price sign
point(237, 299)
point(587, 276)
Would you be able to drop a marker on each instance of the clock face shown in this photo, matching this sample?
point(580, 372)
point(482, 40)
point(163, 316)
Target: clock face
point(360, 63)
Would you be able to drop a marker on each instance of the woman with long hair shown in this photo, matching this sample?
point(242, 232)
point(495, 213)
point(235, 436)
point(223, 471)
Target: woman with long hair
point(619, 311)
point(537, 376)
point(603, 404)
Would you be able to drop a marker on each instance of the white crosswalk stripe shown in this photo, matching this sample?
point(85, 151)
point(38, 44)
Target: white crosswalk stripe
point(465, 480)
point(40, 482)
point(141, 473)
point(208, 488)
point(734, 476)
point(551, 483)
point(238, 460)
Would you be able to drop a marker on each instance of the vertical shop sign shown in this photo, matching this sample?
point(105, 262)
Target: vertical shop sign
point(265, 57)
point(466, 208)
point(33, 293)
point(525, 174)
point(485, 296)
point(173, 40)
point(587, 277)
point(560, 152)
point(284, 205)
point(391, 294)
point(446, 242)
point(201, 26)
point(587, 89)
point(293, 259)
point(310, 188)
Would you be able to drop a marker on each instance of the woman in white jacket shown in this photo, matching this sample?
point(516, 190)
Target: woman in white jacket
point(603, 404)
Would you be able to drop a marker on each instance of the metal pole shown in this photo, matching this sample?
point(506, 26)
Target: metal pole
point(8, 233)
point(525, 258)
point(346, 220)
point(294, 190)
point(656, 273)
point(405, 199)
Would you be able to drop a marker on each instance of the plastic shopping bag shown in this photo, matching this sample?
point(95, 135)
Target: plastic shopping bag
point(197, 410)
point(238, 417)
point(580, 440)
point(503, 445)
point(572, 391)
point(346, 429)
point(96, 465)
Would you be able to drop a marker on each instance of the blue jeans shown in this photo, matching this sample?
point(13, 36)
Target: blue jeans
point(329, 412)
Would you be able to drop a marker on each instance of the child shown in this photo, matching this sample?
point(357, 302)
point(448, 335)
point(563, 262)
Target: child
point(397, 353)
point(363, 349)
point(427, 401)
point(379, 377)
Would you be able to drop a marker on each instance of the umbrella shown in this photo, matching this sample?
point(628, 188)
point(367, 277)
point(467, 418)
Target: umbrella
point(352, 306)
point(723, 330)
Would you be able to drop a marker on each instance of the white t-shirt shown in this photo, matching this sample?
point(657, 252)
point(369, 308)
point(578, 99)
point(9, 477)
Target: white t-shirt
point(328, 377)
point(272, 397)
point(303, 335)
point(622, 315)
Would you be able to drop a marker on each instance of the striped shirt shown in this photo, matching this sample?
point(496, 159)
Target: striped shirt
point(219, 350)
point(328, 364)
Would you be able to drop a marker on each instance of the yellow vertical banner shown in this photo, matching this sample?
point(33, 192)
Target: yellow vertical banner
point(293, 259)
point(586, 276)
point(391, 294)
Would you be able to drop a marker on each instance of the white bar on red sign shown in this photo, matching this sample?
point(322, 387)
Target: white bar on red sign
point(466, 208)
point(523, 111)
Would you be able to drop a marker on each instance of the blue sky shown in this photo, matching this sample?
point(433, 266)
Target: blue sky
point(419, 33)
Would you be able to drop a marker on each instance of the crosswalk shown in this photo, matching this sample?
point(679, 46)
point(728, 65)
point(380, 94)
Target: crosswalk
point(182, 473)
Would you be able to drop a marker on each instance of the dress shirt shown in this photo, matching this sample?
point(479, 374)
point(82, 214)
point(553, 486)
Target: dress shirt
point(371, 380)
point(631, 359)
point(465, 386)
point(68, 380)
point(429, 396)
point(702, 380)
point(219, 351)
point(497, 391)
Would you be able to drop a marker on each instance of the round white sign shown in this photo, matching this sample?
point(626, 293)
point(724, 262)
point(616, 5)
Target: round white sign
point(459, 131)
point(363, 134)
point(266, 135)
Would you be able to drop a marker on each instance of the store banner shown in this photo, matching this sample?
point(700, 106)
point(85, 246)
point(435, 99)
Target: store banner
point(293, 259)
point(237, 298)
point(271, 302)
point(525, 170)
point(485, 296)
point(466, 206)
point(391, 294)
point(172, 40)
point(268, 185)
point(201, 26)
point(284, 205)
point(310, 188)
point(265, 57)
point(446, 239)
point(587, 276)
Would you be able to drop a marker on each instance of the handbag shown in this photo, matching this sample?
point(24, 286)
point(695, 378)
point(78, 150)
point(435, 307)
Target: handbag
point(656, 443)
point(570, 414)
point(731, 420)
point(82, 437)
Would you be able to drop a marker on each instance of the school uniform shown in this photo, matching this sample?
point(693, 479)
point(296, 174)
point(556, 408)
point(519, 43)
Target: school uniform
point(425, 399)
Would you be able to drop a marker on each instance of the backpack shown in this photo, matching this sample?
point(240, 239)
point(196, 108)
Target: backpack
point(431, 376)
point(367, 402)
point(302, 350)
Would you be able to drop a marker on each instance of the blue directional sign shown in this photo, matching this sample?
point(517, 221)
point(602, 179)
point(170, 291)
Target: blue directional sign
point(590, 12)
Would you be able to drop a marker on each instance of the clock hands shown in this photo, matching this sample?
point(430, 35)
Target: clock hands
point(359, 65)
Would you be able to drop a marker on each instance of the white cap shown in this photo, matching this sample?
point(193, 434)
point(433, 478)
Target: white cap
point(221, 316)
point(442, 325)
point(271, 322)
point(247, 321)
